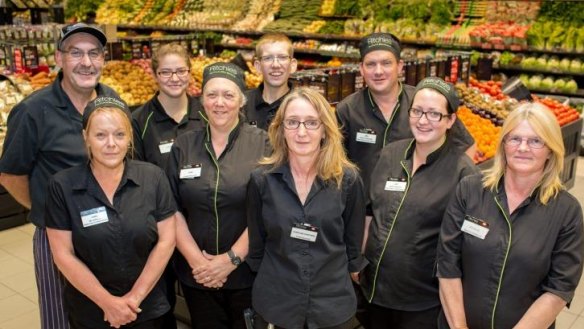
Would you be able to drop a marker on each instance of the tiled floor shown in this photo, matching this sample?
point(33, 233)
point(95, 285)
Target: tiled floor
point(18, 297)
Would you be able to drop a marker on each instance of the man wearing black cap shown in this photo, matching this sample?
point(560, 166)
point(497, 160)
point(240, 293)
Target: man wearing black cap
point(45, 136)
point(377, 115)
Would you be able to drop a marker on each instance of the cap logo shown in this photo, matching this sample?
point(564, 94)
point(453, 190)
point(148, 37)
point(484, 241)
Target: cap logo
point(379, 41)
point(108, 101)
point(438, 84)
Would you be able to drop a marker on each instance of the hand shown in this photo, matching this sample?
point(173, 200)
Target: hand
point(355, 277)
point(118, 312)
point(216, 272)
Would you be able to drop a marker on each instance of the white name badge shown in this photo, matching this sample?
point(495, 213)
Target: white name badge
point(304, 232)
point(396, 186)
point(190, 172)
point(94, 216)
point(475, 227)
point(366, 138)
point(165, 146)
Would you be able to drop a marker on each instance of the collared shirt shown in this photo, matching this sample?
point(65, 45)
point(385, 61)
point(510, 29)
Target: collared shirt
point(113, 240)
point(210, 192)
point(366, 131)
point(300, 282)
point(407, 213)
point(44, 136)
point(155, 131)
point(259, 113)
point(536, 249)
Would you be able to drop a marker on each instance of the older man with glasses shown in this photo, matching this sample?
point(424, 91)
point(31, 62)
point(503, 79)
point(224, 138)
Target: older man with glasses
point(45, 136)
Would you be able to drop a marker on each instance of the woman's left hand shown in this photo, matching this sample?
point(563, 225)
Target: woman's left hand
point(355, 277)
point(216, 271)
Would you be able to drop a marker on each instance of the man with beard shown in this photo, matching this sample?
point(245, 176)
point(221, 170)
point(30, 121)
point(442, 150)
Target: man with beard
point(275, 61)
point(45, 136)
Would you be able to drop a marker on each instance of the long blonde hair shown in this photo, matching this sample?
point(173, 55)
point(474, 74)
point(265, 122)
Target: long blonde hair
point(545, 125)
point(331, 160)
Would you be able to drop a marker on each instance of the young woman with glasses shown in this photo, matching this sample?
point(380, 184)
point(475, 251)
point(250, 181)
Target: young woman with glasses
point(410, 188)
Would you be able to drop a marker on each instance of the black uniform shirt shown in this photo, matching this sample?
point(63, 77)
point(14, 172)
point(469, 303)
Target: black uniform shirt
point(155, 131)
point(259, 113)
point(300, 282)
point(407, 213)
point(366, 131)
point(44, 136)
point(537, 249)
point(116, 250)
point(211, 193)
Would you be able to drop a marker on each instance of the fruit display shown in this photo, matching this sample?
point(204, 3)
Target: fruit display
point(485, 99)
point(119, 12)
point(547, 83)
point(314, 26)
point(484, 132)
point(563, 112)
point(130, 81)
point(499, 35)
point(327, 8)
point(42, 79)
point(512, 11)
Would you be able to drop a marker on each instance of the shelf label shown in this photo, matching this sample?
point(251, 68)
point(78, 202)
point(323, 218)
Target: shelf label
point(31, 57)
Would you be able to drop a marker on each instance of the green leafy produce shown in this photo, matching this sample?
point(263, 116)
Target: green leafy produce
point(333, 27)
point(506, 58)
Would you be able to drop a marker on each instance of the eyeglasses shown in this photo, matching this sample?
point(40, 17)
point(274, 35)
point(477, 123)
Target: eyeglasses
point(271, 58)
point(77, 54)
point(308, 124)
point(430, 115)
point(532, 142)
point(167, 74)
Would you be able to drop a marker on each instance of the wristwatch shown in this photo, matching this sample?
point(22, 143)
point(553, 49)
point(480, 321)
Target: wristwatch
point(235, 260)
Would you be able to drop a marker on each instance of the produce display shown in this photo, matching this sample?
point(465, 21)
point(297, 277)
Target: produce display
point(10, 95)
point(486, 100)
point(563, 112)
point(484, 132)
point(548, 83)
point(294, 16)
point(499, 35)
point(130, 81)
point(259, 14)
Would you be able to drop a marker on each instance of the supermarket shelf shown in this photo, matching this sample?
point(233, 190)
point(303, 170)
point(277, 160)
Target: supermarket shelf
point(579, 93)
point(525, 70)
point(300, 51)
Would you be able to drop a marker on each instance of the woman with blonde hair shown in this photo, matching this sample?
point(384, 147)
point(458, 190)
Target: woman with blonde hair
point(306, 213)
point(511, 247)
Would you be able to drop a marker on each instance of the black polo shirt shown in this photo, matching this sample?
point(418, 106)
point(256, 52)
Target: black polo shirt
point(302, 284)
point(44, 136)
point(407, 214)
point(366, 131)
point(155, 131)
point(536, 249)
point(210, 193)
point(112, 240)
point(259, 113)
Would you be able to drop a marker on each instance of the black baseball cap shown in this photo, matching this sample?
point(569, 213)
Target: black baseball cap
point(380, 41)
point(103, 102)
point(445, 88)
point(71, 29)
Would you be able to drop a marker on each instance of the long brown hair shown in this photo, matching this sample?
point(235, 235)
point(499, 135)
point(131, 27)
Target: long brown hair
point(331, 160)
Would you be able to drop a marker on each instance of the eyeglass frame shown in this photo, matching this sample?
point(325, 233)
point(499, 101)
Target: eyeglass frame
point(528, 141)
point(100, 54)
point(164, 72)
point(288, 127)
point(270, 59)
point(442, 115)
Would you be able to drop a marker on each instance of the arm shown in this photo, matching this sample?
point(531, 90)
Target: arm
point(117, 310)
point(452, 302)
point(354, 223)
point(542, 313)
point(156, 262)
point(220, 266)
point(17, 186)
point(255, 225)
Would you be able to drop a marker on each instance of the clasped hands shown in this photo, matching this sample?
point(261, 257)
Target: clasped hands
point(119, 311)
point(212, 271)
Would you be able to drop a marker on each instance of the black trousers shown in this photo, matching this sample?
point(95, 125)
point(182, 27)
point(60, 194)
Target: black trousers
point(386, 318)
point(260, 323)
point(217, 309)
point(169, 278)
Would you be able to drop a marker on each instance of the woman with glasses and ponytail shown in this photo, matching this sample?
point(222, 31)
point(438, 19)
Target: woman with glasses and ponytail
point(511, 246)
point(306, 212)
point(410, 188)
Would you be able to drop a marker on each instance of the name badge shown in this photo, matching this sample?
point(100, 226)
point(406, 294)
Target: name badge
point(396, 185)
point(366, 136)
point(190, 171)
point(94, 216)
point(475, 227)
point(304, 232)
point(165, 146)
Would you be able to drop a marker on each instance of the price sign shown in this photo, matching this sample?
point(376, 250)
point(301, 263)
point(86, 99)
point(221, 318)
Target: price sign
point(31, 57)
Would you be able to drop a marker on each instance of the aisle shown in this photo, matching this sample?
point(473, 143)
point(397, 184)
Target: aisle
point(18, 298)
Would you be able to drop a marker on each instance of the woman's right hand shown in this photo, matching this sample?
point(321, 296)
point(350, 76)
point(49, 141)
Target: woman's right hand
point(119, 311)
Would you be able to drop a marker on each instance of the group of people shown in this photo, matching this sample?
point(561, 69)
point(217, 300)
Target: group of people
point(269, 199)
